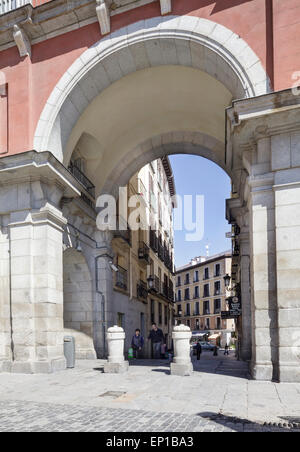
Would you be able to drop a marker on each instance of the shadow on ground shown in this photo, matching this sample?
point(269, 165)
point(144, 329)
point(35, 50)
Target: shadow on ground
point(244, 425)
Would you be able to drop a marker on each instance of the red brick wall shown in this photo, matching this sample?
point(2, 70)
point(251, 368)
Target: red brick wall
point(286, 42)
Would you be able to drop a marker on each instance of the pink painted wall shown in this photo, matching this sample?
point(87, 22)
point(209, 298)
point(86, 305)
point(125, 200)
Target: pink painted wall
point(264, 24)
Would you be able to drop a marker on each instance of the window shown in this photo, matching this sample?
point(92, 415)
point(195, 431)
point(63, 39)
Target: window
point(217, 288)
point(166, 315)
point(196, 276)
point(188, 322)
point(206, 308)
point(197, 308)
point(196, 295)
point(206, 273)
point(188, 309)
point(217, 304)
point(187, 279)
point(179, 295)
point(197, 324)
point(187, 294)
point(179, 310)
point(218, 270)
point(206, 291)
point(218, 323)
point(207, 324)
point(178, 281)
point(121, 320)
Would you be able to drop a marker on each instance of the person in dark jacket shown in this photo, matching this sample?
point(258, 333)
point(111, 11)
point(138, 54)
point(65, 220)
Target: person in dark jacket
point(198, 350)
point(157, 340)
point(137, 344)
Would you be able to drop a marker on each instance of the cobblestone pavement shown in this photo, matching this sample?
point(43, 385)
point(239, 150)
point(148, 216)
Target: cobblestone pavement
point(218, 397)
point(18, 416)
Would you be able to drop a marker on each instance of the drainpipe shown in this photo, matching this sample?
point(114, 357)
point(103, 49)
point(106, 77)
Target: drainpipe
point(103, 315)
point(12, 345)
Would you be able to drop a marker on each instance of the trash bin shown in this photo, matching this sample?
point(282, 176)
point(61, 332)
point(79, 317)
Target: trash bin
point(69, 351)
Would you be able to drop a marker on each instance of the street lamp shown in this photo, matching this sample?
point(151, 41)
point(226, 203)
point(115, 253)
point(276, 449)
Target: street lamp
point(227, 279)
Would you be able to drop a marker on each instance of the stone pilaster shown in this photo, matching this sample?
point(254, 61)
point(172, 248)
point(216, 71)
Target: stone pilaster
point(5, 318)
point(246, 323)
point(36, 290)
point(287, 219)
point(263, 280)
point(32, 186)
point(104, 285)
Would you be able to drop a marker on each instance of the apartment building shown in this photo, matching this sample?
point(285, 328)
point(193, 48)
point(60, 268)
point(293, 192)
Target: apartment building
point(201, 296)
point(143, 284)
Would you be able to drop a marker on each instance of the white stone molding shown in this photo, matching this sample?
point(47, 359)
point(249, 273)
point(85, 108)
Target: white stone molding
point(22, 41)
point(131, 49)
point(103, 15)
point(165, 6)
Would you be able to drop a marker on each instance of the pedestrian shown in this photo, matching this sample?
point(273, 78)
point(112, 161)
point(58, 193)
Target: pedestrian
point(137, 344)
point(216, 351)
point(226, 350)
point(198, 350)
point(157, 340)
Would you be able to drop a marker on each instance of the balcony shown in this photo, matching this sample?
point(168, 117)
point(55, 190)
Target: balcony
point(156, 284)
point(153, 241)
point(171, 294)
point(165, 290)
point(81, 177)
point(161, 253)
point(123, 231)
point(121, 278)
point(144, 252)
point(142, 291)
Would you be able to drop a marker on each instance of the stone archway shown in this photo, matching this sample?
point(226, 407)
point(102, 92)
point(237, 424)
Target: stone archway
point(261, 153)
point(174, 41)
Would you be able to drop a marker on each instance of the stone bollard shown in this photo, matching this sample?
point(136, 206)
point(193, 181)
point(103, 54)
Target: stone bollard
point(182, 364)
point(116, 363)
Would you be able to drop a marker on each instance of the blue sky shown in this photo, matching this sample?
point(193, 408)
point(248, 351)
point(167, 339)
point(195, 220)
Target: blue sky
point(196, 175)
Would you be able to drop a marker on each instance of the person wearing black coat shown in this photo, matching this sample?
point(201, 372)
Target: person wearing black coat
point(198, 350)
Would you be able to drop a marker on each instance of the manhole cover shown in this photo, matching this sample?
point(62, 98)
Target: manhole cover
point(113, 394)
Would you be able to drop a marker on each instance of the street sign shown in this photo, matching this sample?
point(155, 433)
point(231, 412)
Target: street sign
point(235, 308)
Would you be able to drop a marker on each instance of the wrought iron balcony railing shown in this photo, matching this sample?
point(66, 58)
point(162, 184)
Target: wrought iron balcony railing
point(81, 177)
point(121, 278)
point(123, 230)
point(142, 291)
point(144, 252)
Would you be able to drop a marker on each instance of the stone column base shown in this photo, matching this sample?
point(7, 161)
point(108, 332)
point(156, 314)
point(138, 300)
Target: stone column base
point(289, 374)
point(33, 367)
point(262, 372)
point(183, 370)
point(116, 368)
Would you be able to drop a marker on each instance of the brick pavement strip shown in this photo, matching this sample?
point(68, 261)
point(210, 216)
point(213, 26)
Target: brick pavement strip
point(19, 416)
